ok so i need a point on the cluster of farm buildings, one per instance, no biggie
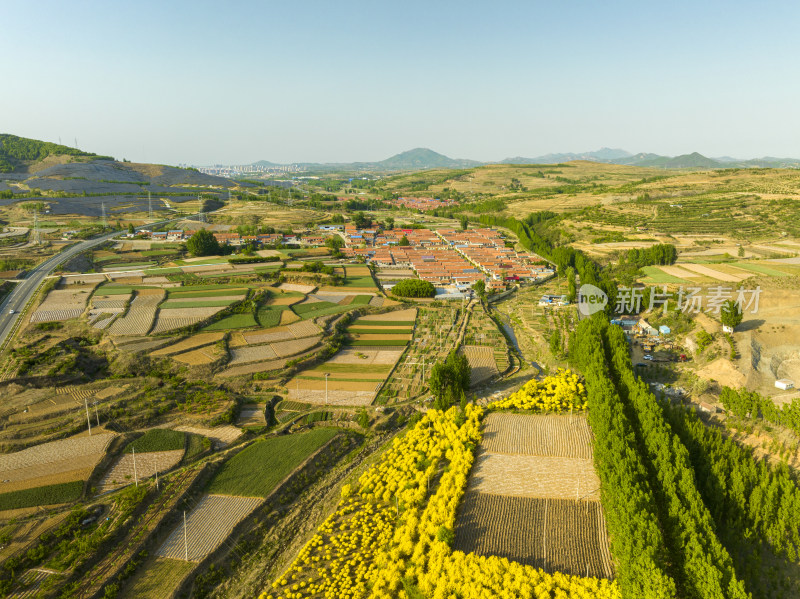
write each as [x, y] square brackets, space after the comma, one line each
[443, 257]
[451, 257]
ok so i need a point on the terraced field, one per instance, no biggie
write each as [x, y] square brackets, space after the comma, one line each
[123, 473]
[62, 304]
[170, 319]
[207, 526]
[533, 496]
[481, 360]
[139, 318]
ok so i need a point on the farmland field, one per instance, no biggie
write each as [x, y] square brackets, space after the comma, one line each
[255, 471]
[207, 526]
[533, 496]
[557, 435]
[62, 304]
[158, 439]
[44, 495]
[159, 579]
[234, 321]
[556, 535]
[147, 464]
[138, 320]
[481, 360]
[193, 342]
[171, 318]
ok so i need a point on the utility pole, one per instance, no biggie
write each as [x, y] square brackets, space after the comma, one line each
[103, 212]
[149, 206]
[96, 415]
[135, 475]
[185, 539]
[156, 480]
[88, 419]
[327, 374]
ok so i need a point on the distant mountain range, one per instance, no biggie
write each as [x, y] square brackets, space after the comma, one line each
[424, 158]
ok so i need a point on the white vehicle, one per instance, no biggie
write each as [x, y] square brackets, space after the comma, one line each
[11, 311]
[648, 357]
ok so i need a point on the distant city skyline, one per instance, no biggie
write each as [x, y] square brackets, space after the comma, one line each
[203, 83]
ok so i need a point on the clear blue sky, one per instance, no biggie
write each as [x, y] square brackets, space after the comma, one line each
[211, 82]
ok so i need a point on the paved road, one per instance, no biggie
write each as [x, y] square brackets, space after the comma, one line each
[24, 291]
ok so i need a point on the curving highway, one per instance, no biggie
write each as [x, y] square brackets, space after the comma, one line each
[25, 290]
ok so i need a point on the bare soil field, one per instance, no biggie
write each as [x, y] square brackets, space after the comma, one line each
[481, 360]
[252, 415]
[198, 357]
[223, 435]
[557, 435]
[284, 349]
[409, 315]
[175, 318]
[193, 342]
[62, 304]
[542, 510]
[139, 318]
[535, 476]
[208, 525]
[334, 397]
[552, 534]
[712, 273]
[297, 287]
[257, 353]
[266, 336]
[377, 357]
[147, 464]
[54, 462]
[288, 317]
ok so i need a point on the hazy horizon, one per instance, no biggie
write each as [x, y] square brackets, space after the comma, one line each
[203, 83]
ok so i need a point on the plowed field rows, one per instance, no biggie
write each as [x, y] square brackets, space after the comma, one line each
[533, 496]
[481, 360]
[399, 315]
[334, 398]
[258, 353]
[362, 356]
[268, 336]
[223, 434]
[197, 357]
[208, 525]
[147, 464]
[139, 318]
[252, 415]
[556, 435]
[302, 329]
[170, 319]
[55, 315]
[552, 534]
[284, 349]
[193, 342]
[55, 451]
[535, 476]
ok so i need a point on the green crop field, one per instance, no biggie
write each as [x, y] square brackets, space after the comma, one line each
[153, 253]
[114, 289]
[183, 292]
[764, 270]
[335, 309]
[49, 495]
[359, 282]
[316, 417]
[301, 309]
[234, 321]
[211, 303]
[159, 578]
[157, 439]
[255, 471]
[656, 275]
[270, 316]
[361, 300]
[204, 261]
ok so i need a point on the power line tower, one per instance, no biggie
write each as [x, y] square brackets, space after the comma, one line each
[200, 215]
[149, 206]
[103, 212]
